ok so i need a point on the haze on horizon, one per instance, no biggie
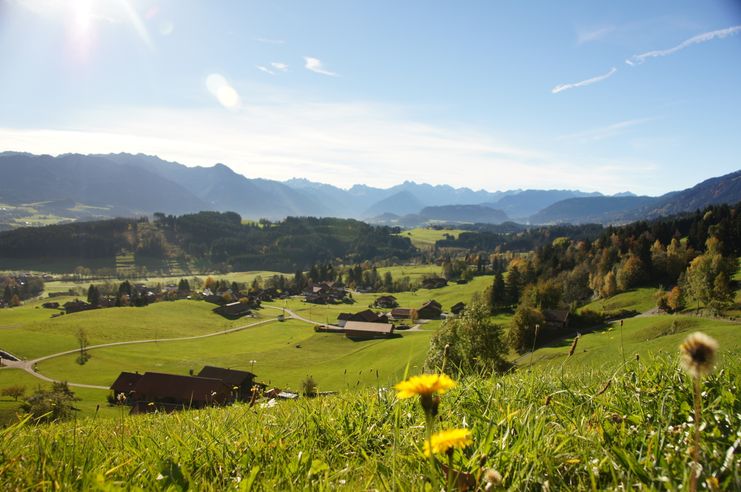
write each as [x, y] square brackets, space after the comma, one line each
[493, 95]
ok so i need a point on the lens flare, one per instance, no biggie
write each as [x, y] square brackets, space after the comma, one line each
[223, 91]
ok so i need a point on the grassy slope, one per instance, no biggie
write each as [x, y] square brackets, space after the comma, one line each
[640, 300]
[645, 336]
[425, 237]
[631, 436]
[326, 356]
[29, 332]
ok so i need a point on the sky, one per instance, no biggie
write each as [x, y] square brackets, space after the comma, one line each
[490, 94]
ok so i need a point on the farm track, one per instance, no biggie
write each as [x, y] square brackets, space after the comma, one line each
[30, 365]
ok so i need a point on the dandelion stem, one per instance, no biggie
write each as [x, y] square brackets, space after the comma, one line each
[694, 472]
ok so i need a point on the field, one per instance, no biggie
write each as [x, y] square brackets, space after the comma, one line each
[641, 300]
[646, 336]
[539, 432]
[425, 237]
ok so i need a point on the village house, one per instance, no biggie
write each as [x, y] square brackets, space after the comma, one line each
[556, 320]
[403, 313]
[458, 308]
[243, 381]
[386, 302]
[124, 384]
[358, 330]
[234, 310]
[169, 392]
[434, 283]
[430, 310]
[366, 316]
[326, 293]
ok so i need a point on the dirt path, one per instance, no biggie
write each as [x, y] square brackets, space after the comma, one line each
[29, 365]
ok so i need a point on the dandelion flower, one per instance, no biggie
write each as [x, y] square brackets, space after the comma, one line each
[424, 385]
[698, 354]
[493, 478]
[446, 440]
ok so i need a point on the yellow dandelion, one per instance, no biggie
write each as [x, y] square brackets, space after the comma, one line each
[424, 385]
[446, 440]
[698, 354]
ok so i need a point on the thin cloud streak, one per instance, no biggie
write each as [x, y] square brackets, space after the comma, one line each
[700, 38]
[593, 35]
[281, 67]
[315, 65]
[264, 69]
[604, 132]
[584, 83]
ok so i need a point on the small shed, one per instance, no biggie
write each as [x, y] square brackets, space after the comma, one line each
[359, 330]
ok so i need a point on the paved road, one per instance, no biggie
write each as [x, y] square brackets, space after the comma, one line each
[29, 365]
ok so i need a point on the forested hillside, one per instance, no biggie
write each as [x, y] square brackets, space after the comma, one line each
[220, 239]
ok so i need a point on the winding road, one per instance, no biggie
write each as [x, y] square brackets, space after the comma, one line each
[30, 365]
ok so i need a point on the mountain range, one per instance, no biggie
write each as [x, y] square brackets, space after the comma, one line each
[84, 186]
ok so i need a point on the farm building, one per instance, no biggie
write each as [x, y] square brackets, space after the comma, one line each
[458, 308]
[430, 310]
[234, 310]
[358, 330]
[366, 316]
[244, 381]
[403, 313]
[386, 302]
[125, 383]
[556, 319]
[168, 392]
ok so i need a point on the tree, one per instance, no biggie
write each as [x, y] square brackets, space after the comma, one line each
[16, 391]
[522, 329]
[609, 285]
[52, 404]
[93, 295]
[7, 294]
[15, 301]
[497, 293]
[675, 299]
[183, 286]
[632, 272]
[703, 284]
[513, 285]
[474, 343]
[83, 342]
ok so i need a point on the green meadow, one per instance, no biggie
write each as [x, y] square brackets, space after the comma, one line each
[643, 336]
[641, 300]
[426, 237]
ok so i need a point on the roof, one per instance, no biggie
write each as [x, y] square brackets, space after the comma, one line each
[401, 311]
[181, 388]
[369, 327]
[230, 377]
[556, 315]
[386, 298]
[125, 382]
[432, 303]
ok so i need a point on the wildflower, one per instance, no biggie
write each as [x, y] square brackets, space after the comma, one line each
[447, 440]
[424, 385]
[698, 354]
[121, 397]
[493, 478]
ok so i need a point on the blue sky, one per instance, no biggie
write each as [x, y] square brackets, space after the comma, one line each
[600, 96]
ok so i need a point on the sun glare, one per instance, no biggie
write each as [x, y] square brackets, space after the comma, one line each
[223, 91]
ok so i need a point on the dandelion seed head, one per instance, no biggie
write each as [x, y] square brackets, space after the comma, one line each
[698, 354]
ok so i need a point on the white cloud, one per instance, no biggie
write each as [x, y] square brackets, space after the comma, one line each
[264, 69]
[593, 34]
[338, 143]
[281, 67]
[700, 38]
[604, 132]
[584, 83]
[315, 65]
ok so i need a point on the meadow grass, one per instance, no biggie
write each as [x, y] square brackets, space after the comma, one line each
[641, 300]
[284, 354]
[645, 336]
[426, 237]
[28, 332]
[540, 431]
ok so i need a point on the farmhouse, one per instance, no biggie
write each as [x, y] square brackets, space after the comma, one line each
[358, 330]
[430, 310]
[125, 383]
[556, 319]
[234, 310]
[168, 392]
[366, 316]
[76, 306]
[403, 313]
[386, 302]
[458, 308]
[244, 381]
[326, 293]
[434, 283]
